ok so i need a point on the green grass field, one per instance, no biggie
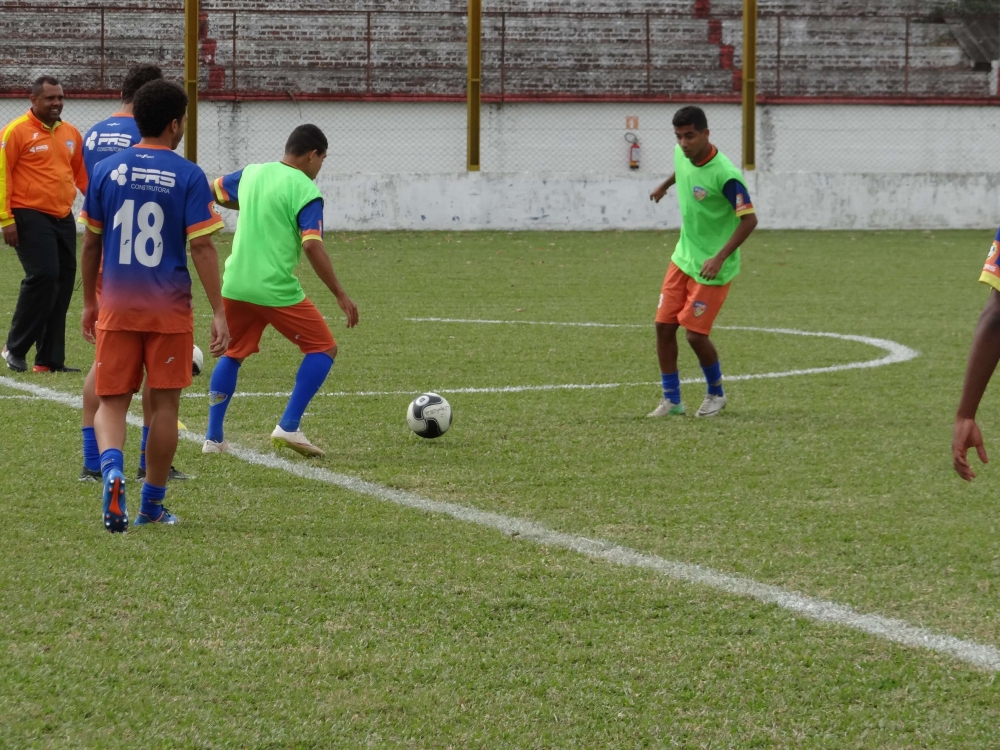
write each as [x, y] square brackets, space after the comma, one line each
[285, 612]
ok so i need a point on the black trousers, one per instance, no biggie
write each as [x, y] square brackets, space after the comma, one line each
[47, 251]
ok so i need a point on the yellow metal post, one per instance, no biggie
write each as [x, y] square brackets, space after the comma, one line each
[191, 78]
[749, 84]
[473, 83]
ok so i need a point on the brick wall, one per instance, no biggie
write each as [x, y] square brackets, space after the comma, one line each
[386, 47]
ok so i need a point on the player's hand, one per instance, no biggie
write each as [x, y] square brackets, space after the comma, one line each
[966, 435]
[220, 335]
[349, 308]
[89, 323]
[657, 195]
[10, 235]
[710, 269]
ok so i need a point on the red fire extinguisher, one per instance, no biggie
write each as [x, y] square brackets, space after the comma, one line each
[633, 150]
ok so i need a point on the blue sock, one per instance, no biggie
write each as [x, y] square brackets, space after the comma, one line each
[152, 500]
[312, 373]
[220, 393]
[112, 458]
[142, 447]
[671, 386]
[91, 453]
[713, 376]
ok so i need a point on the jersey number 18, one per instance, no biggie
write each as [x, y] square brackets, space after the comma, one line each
[150, 222]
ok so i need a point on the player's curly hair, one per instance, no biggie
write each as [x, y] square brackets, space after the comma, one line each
[137, 77]
[156, 105]
[306, 138]
[692, 116]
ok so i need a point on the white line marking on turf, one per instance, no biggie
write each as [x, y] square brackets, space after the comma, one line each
[895, 353]
[897, 631]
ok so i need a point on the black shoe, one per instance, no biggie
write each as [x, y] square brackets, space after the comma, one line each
[61, 368]
[17, 364]
[180, 476]
[86, 475]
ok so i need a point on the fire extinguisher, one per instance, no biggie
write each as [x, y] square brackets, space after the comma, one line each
[633, 150]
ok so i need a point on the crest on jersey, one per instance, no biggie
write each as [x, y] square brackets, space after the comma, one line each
[71, 145]
[699, 308]
[120, 174]
[700, 193]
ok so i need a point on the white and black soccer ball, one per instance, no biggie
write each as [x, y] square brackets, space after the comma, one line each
[197, 361]
[429, 415]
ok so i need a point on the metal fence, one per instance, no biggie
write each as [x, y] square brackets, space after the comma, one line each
[560, 90]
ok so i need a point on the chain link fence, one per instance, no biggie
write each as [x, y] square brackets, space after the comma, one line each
[561, 90]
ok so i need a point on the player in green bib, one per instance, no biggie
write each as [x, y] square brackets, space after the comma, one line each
[281, 215]
[716, 218]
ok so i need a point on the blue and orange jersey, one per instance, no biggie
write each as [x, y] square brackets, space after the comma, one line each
[147, 202]
[991, 271]
[739, 197]
[108, 137]
[310, 218]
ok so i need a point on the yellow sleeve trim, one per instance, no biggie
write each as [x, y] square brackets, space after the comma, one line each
[316, 236]
[207, 230]
[6, 222]
[746, 211]
[988, 278]
[220, 194]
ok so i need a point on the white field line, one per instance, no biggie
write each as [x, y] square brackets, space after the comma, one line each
[889, 629]
[894, 354]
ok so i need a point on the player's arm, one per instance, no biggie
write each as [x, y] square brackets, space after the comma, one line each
[90, 266]
[10, 146]
[657, 195]
[80, 176]
[206, 263]
[226, 190]
[739, 199]
[983, 359]
[320, 261]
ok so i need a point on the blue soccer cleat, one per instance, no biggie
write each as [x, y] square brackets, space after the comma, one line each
[166, 517]
[115, 512]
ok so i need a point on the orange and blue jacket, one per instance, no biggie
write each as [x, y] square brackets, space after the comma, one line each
[40, 167]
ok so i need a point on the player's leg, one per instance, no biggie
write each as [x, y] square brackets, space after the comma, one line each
[698, 316]
[50, 353]
[303, 324]
[118, 363]
[672, 299]
[38, 252]
[147, 416]
[91, 471]
[246, 325]
[168, 371]
[160, 451]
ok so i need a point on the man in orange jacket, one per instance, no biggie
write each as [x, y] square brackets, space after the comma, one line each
[41, 167]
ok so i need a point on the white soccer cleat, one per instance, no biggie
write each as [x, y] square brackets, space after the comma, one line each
[296, 441]
[711, 406]
[667, 408]
[211, 446]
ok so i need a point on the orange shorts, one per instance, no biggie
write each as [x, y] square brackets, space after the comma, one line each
[686, 302]
[121, 356]
[302, 324]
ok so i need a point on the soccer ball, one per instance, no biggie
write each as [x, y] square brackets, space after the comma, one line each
[429, 415]
[197, 361]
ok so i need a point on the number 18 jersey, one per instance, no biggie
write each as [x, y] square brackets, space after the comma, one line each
[147, 202]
